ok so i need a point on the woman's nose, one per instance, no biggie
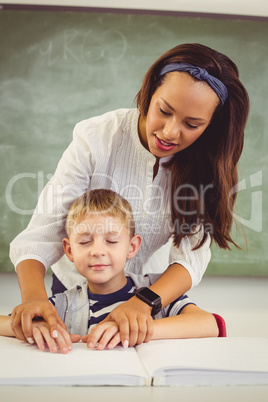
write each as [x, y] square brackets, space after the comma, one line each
[172, 130]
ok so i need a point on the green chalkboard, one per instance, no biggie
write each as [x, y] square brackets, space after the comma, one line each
[60, 67]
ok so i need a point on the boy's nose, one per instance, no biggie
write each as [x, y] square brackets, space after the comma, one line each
[97, 249]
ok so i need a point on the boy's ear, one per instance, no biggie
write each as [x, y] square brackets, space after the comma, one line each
[135, 244]
[67, 249]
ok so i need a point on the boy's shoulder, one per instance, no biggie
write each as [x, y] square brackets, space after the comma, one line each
[70, 294]
[143, 280]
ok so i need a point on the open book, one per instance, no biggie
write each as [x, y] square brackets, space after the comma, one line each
[209, 361]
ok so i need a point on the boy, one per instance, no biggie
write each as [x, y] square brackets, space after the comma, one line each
[101, 236]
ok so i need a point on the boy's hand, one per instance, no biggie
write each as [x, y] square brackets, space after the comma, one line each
[22, 315]
[105, 334]
[134, 321]
[42, 337]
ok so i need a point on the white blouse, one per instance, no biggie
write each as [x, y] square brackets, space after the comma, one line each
[106, 153]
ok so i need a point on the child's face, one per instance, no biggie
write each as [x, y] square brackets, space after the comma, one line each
[179, 112]
[99, 246]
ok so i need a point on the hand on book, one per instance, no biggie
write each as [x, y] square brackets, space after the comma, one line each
[42, 337]
[134, 321]
[22, 316]
[105, 334]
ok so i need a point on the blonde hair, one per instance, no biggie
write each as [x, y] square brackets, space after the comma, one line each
[106, 202]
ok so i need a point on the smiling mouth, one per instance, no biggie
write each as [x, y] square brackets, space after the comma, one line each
[99, 267]
[163, 145]
[167, 144]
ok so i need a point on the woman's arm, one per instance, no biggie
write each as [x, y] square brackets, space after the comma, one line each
[134, 316]
[174, 282]
[45, 231]
[34, 301]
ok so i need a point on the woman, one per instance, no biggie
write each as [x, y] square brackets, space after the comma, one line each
[174, 158]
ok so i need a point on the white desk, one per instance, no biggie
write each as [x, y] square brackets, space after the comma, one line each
[131, 394]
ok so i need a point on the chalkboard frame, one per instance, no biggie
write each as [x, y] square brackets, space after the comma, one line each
[116, 10]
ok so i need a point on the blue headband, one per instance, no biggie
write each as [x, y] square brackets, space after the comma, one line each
[200, 74]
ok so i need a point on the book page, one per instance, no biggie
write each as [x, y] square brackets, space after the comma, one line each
[228, 354]
[22, 363]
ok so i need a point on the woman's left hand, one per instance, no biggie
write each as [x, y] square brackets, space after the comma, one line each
[134, 322]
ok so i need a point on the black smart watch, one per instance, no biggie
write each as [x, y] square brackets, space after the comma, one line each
[151, 298]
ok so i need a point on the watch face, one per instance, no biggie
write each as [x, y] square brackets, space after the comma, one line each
[151, 298]
[149, 294]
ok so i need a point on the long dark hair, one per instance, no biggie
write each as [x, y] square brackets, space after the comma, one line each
[209, 166]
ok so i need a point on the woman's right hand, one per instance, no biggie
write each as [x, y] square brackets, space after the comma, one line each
[22, 316]
[35, 302]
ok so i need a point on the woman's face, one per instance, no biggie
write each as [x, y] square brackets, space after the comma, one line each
[179, 112]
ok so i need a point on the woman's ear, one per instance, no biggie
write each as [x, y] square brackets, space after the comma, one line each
[134, 247]
[67, 249]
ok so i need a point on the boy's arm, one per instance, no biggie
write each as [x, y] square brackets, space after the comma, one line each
[192, 322]
[5, 326]
[41, 335]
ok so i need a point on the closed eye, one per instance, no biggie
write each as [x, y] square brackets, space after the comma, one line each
[164, 112]
[191, 125]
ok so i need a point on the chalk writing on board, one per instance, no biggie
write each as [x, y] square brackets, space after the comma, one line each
[84, 47]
